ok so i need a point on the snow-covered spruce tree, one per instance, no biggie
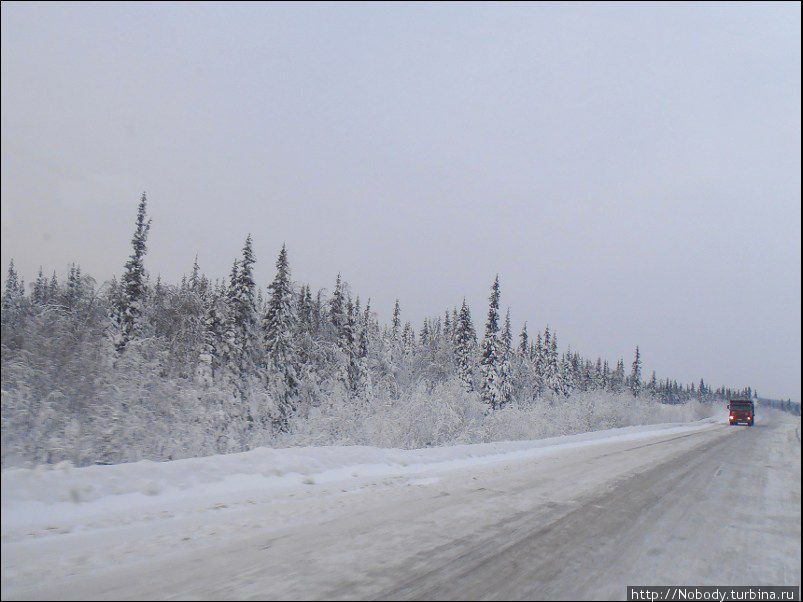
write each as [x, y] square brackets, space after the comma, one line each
[589, 383]
[39, 294]
[213, 353]
[490, 364]
[338, 319]
[597, 378]
[364, 337]
[524, 342]
[318, 312]
[53, 287]
[188, 305]
[423, 336]
[617, 381]
[126, 316]
[448, 330]
[305, 308]
[307, 325]
[197, 282]
[704, 390]
[279, 327]
[349, 343]
[606, 376]
[14, 288]
[507, 333]
[364, 332]
[635, 374]
[358, 379]
[231, 339]
[229, 343]
[505, 368]
[523, 381]
[340, 329]
[465, 343]
[259, 304]
[408, 339]
[395, 325]
[539, 366]
[13, 294]
[242, 332]
[74, 293]
[568, 378]
[652, 386]
[553, 382]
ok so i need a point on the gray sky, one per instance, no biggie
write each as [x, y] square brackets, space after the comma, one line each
[631, 171]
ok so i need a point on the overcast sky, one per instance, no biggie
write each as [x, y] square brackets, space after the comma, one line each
[631, 171]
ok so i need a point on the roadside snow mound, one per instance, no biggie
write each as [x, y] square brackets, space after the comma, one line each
[267, 467]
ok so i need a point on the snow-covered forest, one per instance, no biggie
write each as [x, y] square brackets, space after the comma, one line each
[136, 368]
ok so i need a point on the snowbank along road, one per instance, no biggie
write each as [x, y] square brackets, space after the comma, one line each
[573, 517]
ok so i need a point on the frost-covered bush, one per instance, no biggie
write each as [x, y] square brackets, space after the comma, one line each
[445, 414]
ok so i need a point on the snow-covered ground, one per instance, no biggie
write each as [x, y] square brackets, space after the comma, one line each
[356, 522]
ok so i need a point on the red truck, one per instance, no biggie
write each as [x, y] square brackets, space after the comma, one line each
[741, 410]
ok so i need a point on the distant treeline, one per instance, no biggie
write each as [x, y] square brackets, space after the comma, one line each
[139, 367]
[787, 405]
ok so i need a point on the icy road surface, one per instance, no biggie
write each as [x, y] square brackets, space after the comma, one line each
[573, 517]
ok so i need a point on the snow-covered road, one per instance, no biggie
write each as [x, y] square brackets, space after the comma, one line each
[574, 517]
